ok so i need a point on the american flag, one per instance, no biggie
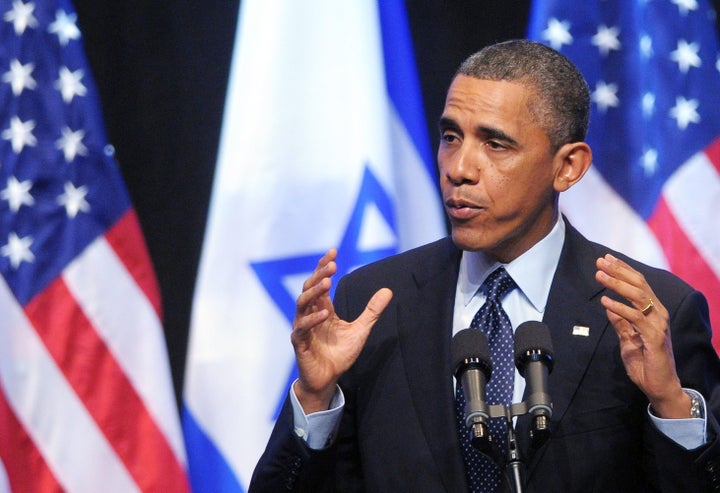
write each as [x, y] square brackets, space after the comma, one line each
[653, 68]
[86, 400]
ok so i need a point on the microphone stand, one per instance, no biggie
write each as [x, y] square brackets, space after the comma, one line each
[513, 461]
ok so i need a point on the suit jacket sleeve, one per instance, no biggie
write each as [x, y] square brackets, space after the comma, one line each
[288, 464]
[697, 365]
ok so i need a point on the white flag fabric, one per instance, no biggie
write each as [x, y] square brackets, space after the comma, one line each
[323, 145]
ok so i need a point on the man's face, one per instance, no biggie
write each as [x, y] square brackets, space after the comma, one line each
[496, 169]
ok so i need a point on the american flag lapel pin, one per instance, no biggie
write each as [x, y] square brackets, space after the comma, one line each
[581, 330]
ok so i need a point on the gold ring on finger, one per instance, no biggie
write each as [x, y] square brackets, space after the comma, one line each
[648, 308]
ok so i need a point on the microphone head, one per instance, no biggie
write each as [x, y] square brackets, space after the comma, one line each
[469, 347]
[533, 343]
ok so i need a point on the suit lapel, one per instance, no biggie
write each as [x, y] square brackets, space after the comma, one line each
[573, 301]
[429, 316]
[577, 322]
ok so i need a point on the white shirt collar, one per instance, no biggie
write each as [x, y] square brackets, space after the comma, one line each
[532, 271]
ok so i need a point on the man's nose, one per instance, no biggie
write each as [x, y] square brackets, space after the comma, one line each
[463, 166]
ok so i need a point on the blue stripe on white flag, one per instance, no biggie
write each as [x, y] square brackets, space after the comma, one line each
[210, 471]
[402, 79]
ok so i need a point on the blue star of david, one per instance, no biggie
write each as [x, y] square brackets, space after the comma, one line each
[273, 272]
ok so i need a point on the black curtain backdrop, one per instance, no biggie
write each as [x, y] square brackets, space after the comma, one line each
[161, 68]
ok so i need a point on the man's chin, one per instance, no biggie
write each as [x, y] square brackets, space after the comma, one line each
[471, 241]
[467, 241]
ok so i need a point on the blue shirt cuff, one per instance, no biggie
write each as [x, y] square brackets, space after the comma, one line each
[317, 429]
[690, 433]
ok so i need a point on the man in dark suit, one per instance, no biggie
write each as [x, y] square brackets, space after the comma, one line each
[635, 384]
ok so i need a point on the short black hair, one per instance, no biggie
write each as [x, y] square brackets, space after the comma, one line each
[562, 107]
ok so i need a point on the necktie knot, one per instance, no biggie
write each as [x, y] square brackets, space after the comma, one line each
[497, 285]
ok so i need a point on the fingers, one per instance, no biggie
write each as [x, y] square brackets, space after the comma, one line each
[314, 305]
[318, 284]
[619, 277]
[310, 299]
[624, 318]
[644, 320]
[326, 267]
[616, 275]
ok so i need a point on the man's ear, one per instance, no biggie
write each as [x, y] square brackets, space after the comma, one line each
[573, 160]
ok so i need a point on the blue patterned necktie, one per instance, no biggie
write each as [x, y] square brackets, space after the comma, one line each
[483, 474]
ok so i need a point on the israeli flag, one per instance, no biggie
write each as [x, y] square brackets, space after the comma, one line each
[324, 144]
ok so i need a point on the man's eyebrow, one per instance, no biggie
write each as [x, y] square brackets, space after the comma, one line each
[446, 122]
[488, 132]
[494, 133]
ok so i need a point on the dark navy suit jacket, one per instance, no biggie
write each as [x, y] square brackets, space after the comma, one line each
[398, 432]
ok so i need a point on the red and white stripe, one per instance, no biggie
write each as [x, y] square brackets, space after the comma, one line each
[87, 402]
[687, 225]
